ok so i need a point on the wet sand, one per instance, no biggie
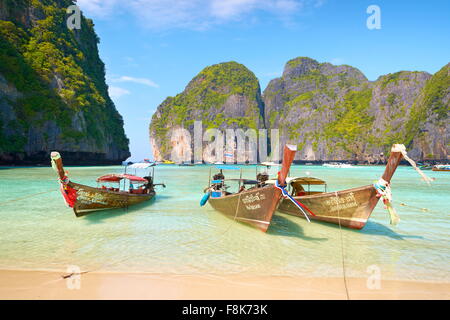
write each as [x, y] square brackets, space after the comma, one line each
[52, 285]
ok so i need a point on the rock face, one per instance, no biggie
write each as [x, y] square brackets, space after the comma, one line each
[330, 112]
[335, 113]
[53, 94]
[429, 124]
[312, 105]
[225, 95]
[393, 96]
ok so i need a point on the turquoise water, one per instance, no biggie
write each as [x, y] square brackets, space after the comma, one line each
[173, 234]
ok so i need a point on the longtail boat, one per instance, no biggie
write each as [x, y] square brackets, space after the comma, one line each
[254, 206]
[85, 199]
[441, 167]
[425, 166]
[349, 208]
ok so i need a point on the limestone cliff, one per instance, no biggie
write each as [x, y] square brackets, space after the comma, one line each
[53, 94]
[225, 95]
[309, 104]
[331, 112]
[429, 123]
[335, 113]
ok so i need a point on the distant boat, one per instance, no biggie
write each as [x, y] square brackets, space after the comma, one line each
[426, 167]
[186, 164]
[441, 167]
[338, 165]
[85, 199]
[167, 162]
[350, 208]
[254, 206]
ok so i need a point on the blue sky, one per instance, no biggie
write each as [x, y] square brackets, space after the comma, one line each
[153, 48]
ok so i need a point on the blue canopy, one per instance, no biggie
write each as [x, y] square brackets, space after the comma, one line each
[225, 167]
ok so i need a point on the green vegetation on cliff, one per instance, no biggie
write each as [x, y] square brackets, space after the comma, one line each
[352, 122]
[329, 111]
[204, 100]
[58, 73]
[432, 104]
[337, 113]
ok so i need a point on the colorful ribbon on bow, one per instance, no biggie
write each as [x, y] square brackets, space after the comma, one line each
[69, 194]
[298, 204]
[384, 191]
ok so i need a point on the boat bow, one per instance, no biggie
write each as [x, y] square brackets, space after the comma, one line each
[383, 186]
[69, 194]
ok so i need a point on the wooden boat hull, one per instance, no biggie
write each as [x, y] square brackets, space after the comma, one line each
[351, 208]
[253, 207]
[91, 199]
[256, 206]
[437, 169]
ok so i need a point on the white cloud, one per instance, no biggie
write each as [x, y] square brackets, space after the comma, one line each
[337, 61]
[171, 14]
[97, 8]
[319, 3]
[143, 81]
[232, 8]
[116, 92]
[193, 14]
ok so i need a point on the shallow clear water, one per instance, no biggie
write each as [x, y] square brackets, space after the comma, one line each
[173, 234]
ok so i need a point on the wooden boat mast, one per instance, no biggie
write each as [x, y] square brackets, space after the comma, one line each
[393, 162]
[288, 158]
[57, 164]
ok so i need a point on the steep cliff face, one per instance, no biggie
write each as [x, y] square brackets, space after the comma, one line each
[310, 102]
[330, 112]
[393, 96]
[53, 94]
[335, 113]
[225, 95]
[429, 124]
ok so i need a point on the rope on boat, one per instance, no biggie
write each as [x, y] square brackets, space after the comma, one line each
[28, 196]
[402, 149]
[342, 249]
[232, 223]
[298, 204]
[418, 208]
[383, 187]
[235, 216]
[384, 191]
